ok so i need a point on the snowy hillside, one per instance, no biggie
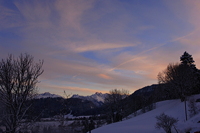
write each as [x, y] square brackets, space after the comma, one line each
[145, 123]
[97, 98]
[47, 95]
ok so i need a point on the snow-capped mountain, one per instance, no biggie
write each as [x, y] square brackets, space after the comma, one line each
[97, 98]
[47, 95]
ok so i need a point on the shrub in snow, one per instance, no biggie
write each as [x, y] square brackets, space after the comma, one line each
[192, 107]
[151, 107]
[165, 122]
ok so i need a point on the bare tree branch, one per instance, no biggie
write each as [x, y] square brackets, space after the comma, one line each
[18, 79]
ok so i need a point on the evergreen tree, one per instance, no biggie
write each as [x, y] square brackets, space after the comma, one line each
[187, 59]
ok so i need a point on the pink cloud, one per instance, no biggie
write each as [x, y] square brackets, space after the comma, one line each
[69, 89]
[97, 46]
[193, 12]
[188, 12]
[146, 65]
[71, 12]
[104, 76]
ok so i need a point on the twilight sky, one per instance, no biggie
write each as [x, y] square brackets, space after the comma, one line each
[93, 46]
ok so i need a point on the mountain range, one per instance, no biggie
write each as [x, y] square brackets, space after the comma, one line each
[97, 98]
[47, 95]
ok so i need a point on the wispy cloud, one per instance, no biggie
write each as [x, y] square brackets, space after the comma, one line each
[104, 76]
[90, 46]
[57, 89]
[99, 46]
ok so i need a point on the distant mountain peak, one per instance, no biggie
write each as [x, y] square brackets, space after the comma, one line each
[47, 95]
[98, 93]
[97, 98]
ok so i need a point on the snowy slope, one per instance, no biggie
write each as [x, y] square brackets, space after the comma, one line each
[47, 95]
[145, 123]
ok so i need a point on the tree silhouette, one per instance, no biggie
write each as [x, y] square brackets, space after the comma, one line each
[181, 78]
[18, 79]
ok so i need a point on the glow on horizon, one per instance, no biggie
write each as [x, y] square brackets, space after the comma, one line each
[93, 46]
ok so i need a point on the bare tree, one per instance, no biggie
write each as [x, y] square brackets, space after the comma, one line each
[166, 122]
[18, 79]
[113, 101]
[116, 95]
[179, 77]
[180, 80]
[63, 110]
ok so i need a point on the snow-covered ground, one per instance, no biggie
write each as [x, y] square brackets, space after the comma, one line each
[145, 123]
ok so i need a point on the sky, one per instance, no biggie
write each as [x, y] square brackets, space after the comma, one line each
[93, 46]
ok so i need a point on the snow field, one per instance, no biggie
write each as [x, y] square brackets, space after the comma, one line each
[145, 123]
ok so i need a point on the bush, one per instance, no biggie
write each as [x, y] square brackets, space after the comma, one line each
[165, 122]
[192, 107]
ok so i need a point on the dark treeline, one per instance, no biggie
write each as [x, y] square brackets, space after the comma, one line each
[49, 107]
